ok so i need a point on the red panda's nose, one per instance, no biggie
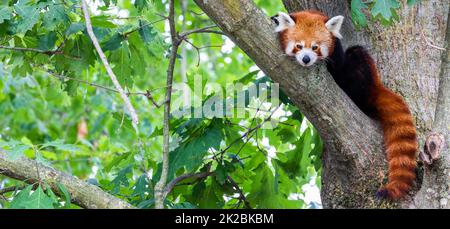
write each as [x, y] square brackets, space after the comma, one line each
[306, 59]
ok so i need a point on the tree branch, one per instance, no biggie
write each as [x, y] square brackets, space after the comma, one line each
[350, 138]
[21, 49]
[110, 72]
[177, 180]
[205, 29]
[11, 189]
[58, 51]
[160, 195]
[82, 193]
[241, 194]
[142, 26]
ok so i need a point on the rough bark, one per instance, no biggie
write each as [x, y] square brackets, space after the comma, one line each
[354, 164]
[410, 66]
[83, 194]
[353, 142]
[435, 190]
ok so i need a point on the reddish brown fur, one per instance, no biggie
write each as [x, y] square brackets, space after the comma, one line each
[399, 136]
[309, 27]
[400, 141]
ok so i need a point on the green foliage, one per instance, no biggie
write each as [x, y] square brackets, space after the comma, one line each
[58, 108]
[5, 14]
[384, 11]
[358, 16]
[40, 196]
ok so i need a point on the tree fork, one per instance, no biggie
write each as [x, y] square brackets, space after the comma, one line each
[353, 162]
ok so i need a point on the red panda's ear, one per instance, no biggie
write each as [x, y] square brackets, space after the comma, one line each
[284, 22]
[334, 25]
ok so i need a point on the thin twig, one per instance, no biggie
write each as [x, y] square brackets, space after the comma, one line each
[11, 189]
[21, 49]
[177, 180]
[147, 93]
[206, 29]
[142, 26]
[58, 51]
[240, 192]
[199, 48]
[430, 43]
[110, 72]
[249, 131]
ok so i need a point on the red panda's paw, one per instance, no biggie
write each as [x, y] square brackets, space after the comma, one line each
[391, 192]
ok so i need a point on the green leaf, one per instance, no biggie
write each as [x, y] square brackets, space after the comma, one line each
[26, 141]
[54, 16]
[102, 21]
[146, 32]
[358, 16]
[184, 205]
[123, 119]
[121, 179]
[411, 2]
[385, 8]
[205, 196]
[146, 204]
[249, 77]
[47, 42]
[59, 144]
[75, 28]
[41, 159]
[5, 14]
[221, 174]
[156, 132]
[113, 43]
[141, 186]
[29, 16]
[190, 153]
[141, 4]
[122, 64]
[298, 158]
[66, 194]
[39, 200]
[20, 201]
[287, 134]
[263, 193]
[17, 151]
[116, 161]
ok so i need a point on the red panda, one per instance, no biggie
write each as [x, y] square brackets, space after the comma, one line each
[310, 36]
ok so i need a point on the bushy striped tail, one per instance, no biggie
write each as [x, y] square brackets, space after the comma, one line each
[400, 141]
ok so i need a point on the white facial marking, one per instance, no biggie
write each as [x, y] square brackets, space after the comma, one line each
[305, 54]
[324, 50]
[302, 43]
[334, 25]
[290, 48]
[284, 22]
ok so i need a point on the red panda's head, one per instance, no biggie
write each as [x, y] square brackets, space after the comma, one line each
[308, 35]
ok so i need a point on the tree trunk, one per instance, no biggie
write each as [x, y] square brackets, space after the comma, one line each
[354, 164]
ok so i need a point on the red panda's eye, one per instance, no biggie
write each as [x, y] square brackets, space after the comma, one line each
[299, 46]
[315, 47]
